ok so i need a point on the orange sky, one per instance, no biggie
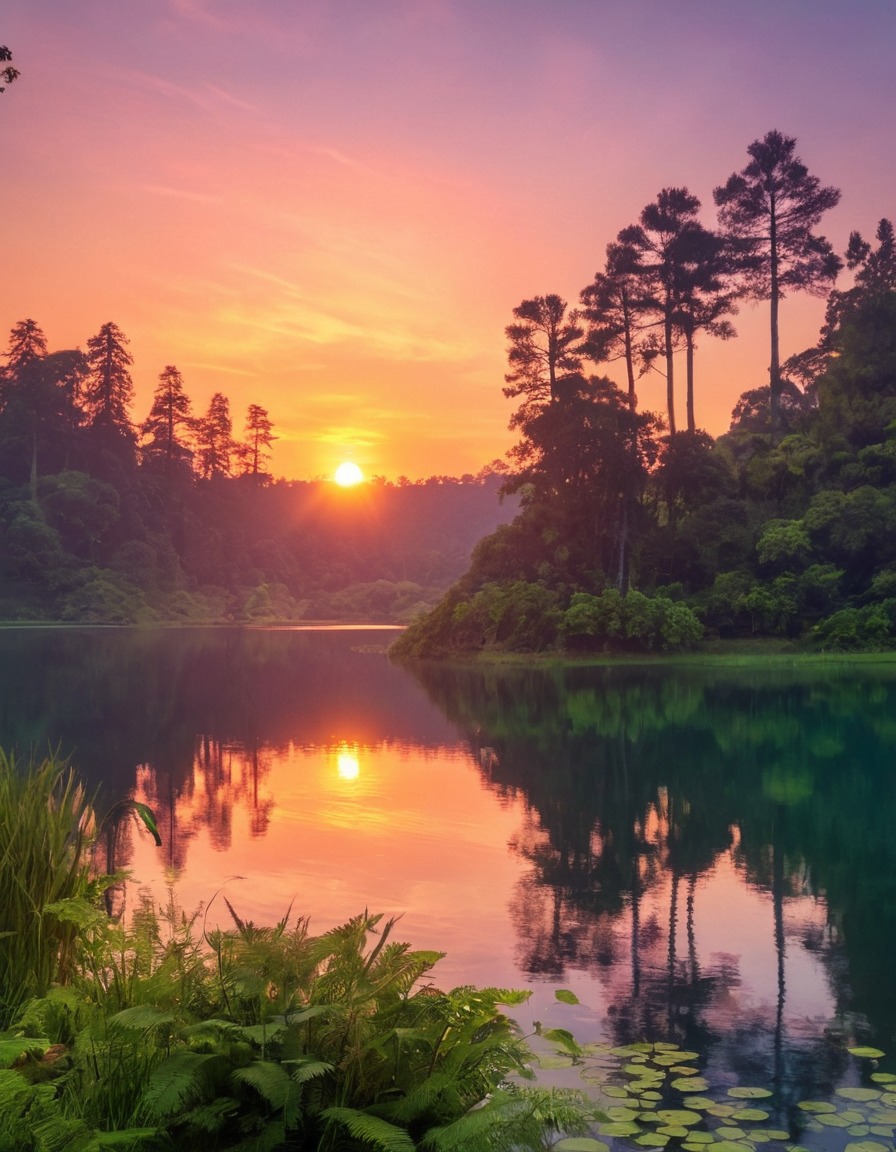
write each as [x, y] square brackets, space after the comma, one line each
[330, 208]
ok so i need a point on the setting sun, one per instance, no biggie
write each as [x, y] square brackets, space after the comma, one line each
[348, 474]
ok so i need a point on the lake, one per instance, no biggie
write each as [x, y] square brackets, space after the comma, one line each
[702, 856]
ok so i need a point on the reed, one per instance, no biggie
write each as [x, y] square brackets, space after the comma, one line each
[46, 832]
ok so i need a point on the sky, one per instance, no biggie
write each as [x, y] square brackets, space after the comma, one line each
[331, 207]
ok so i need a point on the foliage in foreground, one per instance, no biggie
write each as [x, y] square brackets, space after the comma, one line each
[166, 1034]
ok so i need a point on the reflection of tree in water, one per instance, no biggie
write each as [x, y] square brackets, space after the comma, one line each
[639, 785]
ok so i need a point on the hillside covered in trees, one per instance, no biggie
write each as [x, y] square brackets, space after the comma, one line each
[637, 534]
[177, 519]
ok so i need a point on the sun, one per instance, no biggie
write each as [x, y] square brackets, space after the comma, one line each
[348, 474]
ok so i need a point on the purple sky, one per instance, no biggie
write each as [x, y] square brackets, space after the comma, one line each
[331, 209]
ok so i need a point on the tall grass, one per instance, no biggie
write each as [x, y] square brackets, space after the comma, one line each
[46, 827]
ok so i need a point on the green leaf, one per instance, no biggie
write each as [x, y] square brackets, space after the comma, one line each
[141, 1018]
[564, 1038]
[744, 1093]
[270, 1080]
[566, 997]
[124, 1137]
[581, 1144]
[148, 817]
[371, 1129]
[865, 1053]
[13, 1048]
[860, 1093]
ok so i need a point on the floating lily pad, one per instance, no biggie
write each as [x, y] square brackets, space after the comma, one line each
[691, 1146]
[883, 1077]
[679, 1117]
[691, 1084]
[858, 1130]
[635, 1067]
[816, 1106]
[581, 1144]
[593, 1075]
[652, 1140]
[885, 1115]
[674, 1132]
[731, 1132]
[854, 1116]
[864, 1052]
[721, 1110]
[769, 1134]
[619, 1128]
[758, 1137]
[745, 1093]
[621, 1115]
[547, 1061]
[860, 1093]
[698, 1102]
[882, 1130]
[616, 1091]
[700, 1137]
[866, 1146]
[888, 1098]
[684, 1070]
[749, 1114]
[667, 1059]
[832, 1120]
[730, 1146]
[666, 1046]
[648, 1096]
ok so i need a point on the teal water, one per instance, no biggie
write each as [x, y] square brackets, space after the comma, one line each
[705, 858]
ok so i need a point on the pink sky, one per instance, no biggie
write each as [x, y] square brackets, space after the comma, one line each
[331, 207]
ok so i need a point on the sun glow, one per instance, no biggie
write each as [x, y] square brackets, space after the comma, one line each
[348, 474]
[348, 767]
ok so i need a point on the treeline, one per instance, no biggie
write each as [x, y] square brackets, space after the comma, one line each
[636, 534]
[106, 520]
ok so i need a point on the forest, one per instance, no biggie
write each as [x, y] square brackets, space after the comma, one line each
[176, 519]
[636, 534]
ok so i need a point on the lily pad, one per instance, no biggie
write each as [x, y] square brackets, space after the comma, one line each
[616, 1091]
[882, 1130]
[619, 1128]
[679, 1117]
[685, 1070]
[547, 1061]
[730, 1146]
[749, 1114]
[883, 1077]
[673, 1131]
[860, 1093]
[832, 1120]
[854, 1116]
[866, 1146]
[731, 1132]
[858, 1130]
[864, 1052]
[621, 1115]
[698, 1102]
[581, 1144]
[816, 1106]
[721, 1110]
[666, 1046]
[652, 1140]
[700, 1137]
[742, 1092]
[647, 1096]
[691, 1084]
[769, 1134]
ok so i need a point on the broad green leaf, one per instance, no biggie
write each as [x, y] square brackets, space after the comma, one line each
[745, 1093]
[749, 1114]
[13, 1048]
[691, 1084]
[860, 1093]
[566, 997]
[679, 1117]
[816, 1106]
[619, 1128]
[652, 1140]
[864, 1052]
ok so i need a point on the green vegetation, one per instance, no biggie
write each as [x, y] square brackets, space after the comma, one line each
[633, 536]
[164, 1034]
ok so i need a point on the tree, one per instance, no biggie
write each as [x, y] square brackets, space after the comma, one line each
[169, 414]
[543, 349]
[27, 343]
[259, 437]
[665, 243]
[613, 307]
[770, 210]
[7, 73]
[214, 438]
[110, 388]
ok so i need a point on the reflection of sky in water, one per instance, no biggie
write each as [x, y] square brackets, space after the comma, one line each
[408, 830]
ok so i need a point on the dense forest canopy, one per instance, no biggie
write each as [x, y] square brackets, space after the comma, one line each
[177, 518]
[637, 534]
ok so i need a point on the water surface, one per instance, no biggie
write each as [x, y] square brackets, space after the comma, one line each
[702, 857]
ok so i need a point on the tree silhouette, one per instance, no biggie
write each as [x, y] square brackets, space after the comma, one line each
[110, 388]
[214, 438]
[613, 306]
[170, 413]
[543, 349]
[259, 437]
[770, 210]
[664, 242]
[7, 73]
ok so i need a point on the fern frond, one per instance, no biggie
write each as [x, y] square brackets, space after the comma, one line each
[308, 1069]
[176, 1085]
[125, 1138]
[271, 1081]
[499, 1123]
[213, 1116]
[140, 1018]
[371, 1129]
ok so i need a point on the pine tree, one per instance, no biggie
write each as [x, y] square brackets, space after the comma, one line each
[168, 416]
[770, 210]
[259, 437]
[543, 349]
[110, 389]
[214, 438]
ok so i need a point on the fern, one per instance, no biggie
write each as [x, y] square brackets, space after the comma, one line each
[176, 1085]
[271, 1081]
[140, 1018]
[370, 1129]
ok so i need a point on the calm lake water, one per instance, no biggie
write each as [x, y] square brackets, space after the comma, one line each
[702, 857]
